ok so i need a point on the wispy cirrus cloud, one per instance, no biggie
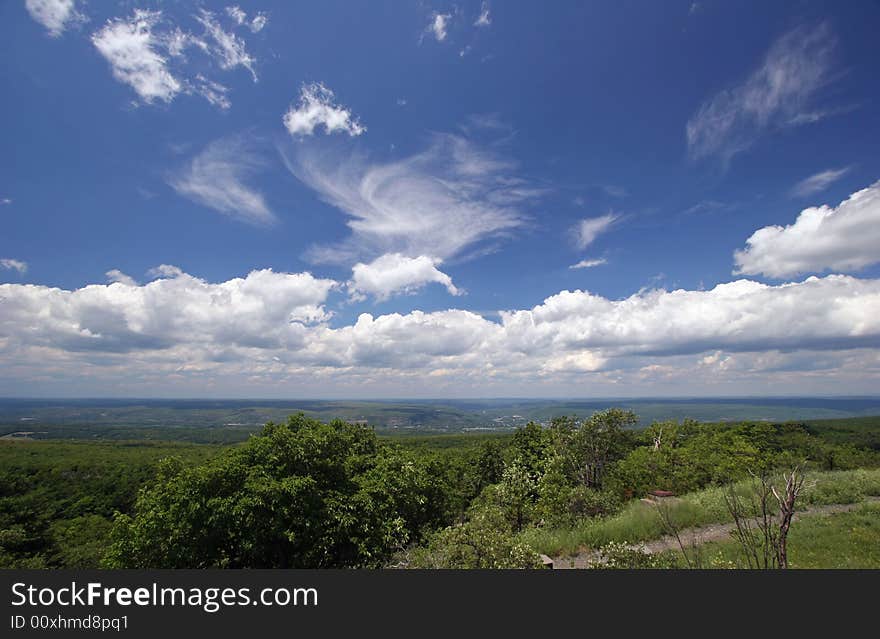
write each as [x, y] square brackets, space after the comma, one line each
[845, 238]
[436, 203]
[317, 107]
[776, 95]
[218, 178]
[227, 49]
[255, 24]
[706, 206]
[14, 265]
[56, 15]
[588, 229]
[484, 19]
[149, 52]
[589, 263]
[818, 182]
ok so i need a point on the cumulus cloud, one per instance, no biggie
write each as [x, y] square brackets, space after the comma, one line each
[845, 238]
[737, 316]
[587, 230]
[274, 326]
[818, 182]
[589, 263]
[134, 53]
[265, 309]
[394, 273]
[317, 107]
[55, 15]
[438, 202]
[14, 265]
[217, 178]
[777, 94]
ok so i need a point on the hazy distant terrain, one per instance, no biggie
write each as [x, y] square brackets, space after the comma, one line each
[232, 420]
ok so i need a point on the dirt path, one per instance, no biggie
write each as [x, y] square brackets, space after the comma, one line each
[695, 536]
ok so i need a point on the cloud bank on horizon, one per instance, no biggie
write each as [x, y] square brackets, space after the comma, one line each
[297, 232]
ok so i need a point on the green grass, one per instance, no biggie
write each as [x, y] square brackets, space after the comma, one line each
[838, 540]
[640, 522]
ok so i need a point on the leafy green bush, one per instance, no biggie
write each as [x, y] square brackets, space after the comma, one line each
[483, 541]
[300, 495]
[617, 555]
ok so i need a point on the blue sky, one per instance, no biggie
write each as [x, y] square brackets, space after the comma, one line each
[375, 199]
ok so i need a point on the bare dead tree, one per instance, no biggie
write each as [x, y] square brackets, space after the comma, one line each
[794, 483]
[658, 439]
[753, 517]
[761, 532]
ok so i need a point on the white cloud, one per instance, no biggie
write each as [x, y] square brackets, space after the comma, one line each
[438, 25]
[258, 22]
[818, 182]
[615, 191]
[484, 19]
[587, 230]
[740, 315]
[706, 207]
[148, 52]
[845, 238]
[55, 15]
[236, 13]
[213, 92]
[165, 270]
[777, 94]
[229, 50]
[589, 263]
[437, 203]
[317, 107]
[14, 265]
[273, 327]
[176, 41]
[217, 178]
[239, 16]
[5, 201]
[133, 51]
[115, 275]
[394, 273]
[263, 310]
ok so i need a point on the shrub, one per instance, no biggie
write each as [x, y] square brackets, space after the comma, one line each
[617, 555]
